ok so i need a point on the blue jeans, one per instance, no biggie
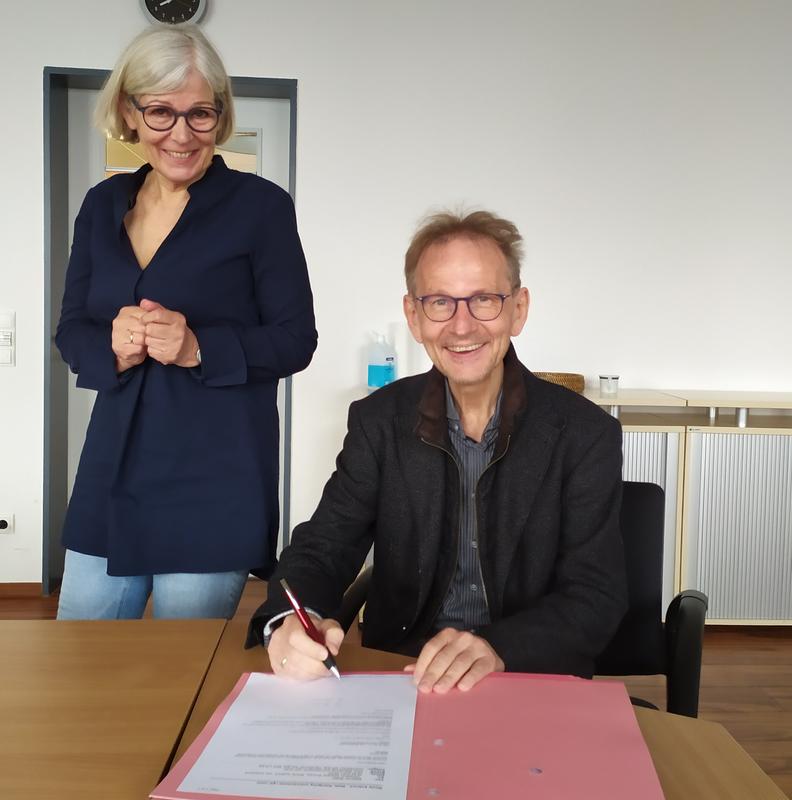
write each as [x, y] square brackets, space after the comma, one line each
[88, 592]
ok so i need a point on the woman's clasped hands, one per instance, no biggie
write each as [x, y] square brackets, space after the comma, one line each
[152, 330]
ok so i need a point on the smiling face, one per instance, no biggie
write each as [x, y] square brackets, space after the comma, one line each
[467, 351]
[179, 156]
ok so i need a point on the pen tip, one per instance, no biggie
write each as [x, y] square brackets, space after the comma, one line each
[335, 672]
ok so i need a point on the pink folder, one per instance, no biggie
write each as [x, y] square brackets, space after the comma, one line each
[531, 736]
[542, 737]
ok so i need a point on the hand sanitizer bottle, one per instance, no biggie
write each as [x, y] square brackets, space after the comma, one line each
[381, 363]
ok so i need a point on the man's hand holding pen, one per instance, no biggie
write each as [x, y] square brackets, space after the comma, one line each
[294, 654]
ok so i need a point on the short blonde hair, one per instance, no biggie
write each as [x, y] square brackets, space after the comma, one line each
[446, 225]
[158, 61]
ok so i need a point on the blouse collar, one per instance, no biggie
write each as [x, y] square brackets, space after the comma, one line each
[205, 187]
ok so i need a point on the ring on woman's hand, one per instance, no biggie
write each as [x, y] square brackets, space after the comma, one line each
[283, 661]
[131, 337]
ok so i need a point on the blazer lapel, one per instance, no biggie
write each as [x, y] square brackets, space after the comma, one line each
[424, 472]
[529, 451]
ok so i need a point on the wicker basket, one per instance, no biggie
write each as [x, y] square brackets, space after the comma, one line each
[569, 380]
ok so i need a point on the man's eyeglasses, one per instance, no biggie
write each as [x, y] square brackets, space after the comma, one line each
[483, 307]
[201, 119]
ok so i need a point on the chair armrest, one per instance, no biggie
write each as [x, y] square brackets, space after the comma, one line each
[684, 627]
[354, 598]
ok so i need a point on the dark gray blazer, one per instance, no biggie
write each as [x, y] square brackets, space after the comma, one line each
[548, 524]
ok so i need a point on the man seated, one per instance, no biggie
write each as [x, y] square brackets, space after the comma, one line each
[491, 497]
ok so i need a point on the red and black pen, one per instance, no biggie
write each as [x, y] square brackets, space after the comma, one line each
[310, 628]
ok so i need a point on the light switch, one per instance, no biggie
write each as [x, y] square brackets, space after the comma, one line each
[7, 337]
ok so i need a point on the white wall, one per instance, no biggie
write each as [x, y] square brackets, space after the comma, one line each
[642, 147]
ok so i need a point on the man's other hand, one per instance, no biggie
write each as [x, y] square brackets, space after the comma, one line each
[454, 658]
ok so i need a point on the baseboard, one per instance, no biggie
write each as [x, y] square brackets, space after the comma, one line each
[20, 590]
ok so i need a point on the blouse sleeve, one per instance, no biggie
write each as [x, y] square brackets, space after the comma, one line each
[285, 339]
[83, 341]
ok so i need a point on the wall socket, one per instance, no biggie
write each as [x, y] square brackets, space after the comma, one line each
[6, 523]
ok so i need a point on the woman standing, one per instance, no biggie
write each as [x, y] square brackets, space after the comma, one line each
[187, 298]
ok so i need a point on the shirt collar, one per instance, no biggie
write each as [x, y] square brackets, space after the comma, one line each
[491, 431]
[126, 194]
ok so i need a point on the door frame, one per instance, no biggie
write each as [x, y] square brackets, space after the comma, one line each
[57, 83]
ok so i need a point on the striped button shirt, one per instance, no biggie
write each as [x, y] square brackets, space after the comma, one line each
[465, 605]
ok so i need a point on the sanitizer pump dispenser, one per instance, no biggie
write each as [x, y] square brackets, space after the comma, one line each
[381, 363]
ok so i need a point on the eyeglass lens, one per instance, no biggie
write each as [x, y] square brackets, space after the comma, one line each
[162, 118]
[483, 307]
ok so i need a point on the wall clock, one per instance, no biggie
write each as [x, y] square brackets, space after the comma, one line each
[173, 12]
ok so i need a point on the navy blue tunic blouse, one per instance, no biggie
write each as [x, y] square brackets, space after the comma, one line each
[179, 472]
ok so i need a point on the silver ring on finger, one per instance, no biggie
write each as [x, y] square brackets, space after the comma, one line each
[283, 661]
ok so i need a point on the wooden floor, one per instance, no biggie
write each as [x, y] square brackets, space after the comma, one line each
[746, 681]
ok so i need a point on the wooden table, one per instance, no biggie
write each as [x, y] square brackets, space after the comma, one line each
[695, 759]
[95, 709]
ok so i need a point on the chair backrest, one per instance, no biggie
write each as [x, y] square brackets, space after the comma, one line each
[639, 645]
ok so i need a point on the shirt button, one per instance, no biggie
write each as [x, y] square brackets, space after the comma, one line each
[473, 587]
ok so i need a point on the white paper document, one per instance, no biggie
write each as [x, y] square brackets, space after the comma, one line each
[322, 740]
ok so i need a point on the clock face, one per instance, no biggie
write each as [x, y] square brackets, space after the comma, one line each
[174, 11]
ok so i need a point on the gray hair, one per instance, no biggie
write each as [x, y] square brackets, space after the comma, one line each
[158, 61]
[443, 226]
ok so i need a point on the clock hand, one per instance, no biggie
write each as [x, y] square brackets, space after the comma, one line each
[165, 2]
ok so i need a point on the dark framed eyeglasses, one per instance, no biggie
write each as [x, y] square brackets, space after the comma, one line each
[201, 119]
[483, 307]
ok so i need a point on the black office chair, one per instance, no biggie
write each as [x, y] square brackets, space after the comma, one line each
[643, 644]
